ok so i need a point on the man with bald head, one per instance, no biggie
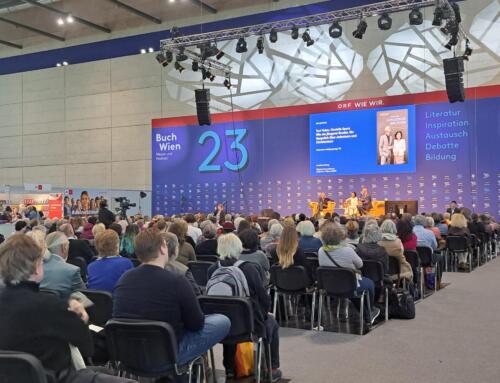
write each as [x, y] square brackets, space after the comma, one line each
[385, 146]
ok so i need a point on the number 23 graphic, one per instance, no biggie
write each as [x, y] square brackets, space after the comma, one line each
[208, 166]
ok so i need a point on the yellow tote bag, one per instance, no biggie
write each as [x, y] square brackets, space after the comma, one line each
[243, 360]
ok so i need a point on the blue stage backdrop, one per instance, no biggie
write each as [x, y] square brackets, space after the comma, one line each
[282, 158]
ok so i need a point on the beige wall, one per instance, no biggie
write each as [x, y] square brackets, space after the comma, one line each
[88, 125]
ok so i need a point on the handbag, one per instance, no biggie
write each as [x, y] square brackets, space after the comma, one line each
[401, 304]
[243, 360]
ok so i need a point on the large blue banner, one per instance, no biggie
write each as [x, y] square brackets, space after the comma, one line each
[432, 153]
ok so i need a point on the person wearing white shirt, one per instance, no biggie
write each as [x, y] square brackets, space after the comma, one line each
[193, 231]
[399, 148]
[352, 205]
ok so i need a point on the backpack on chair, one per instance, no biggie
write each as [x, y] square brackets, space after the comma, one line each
[228, 281]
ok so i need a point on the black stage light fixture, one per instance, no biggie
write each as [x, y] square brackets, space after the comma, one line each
[170, 56]
[360, 29]
[416, 17]
[384, 22]
[453, 42]
[468, 50]
[450, 28]
[211, 76]
[227, 83]
[181, 56]
[160, 57]
[241, 45]
[219, 55]
[260, 45]
[273, 36]
[335, 30]
[195, 66]
[179, 67]
[456, 9]
[295, 32]
[438, 17]
[204, 73]
[306, 36]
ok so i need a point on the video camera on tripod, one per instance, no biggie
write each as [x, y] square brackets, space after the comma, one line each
[125, 205]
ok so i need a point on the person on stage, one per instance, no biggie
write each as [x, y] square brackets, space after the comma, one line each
[385, 146]
[323, 201]
[352, 205]
[399, 148]
[366, 201]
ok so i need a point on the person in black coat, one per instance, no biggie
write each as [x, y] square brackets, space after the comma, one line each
[209, 245]
[370, 250]
[77, 247]
[229, 249]
[104, 215]
[36, 323]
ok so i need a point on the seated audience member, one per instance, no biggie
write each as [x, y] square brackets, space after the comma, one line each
[352, 228]
[186, 250]
[429, 225]
[425, 237]
[117, 228]
[393, 246]
[266, 237]
[127, 248]
[77, 247]
[369, 249]
[440, 223]
[104, 273]
[87, 231]
[98, 228]
[209, 245]
[227, 227]
[20, 227]
[193, 231]
[150, 292]
[476, 226]
[251, 252]
[174, 266]
[40, 324]
[230, 247]
[275, 234]
[406, 235]
[335, 254]
[59, 276]
[244, 225]
[486, 219]
[458, 228]
[307, 242]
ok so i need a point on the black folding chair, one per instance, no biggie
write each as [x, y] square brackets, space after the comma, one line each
[342, 284]
[313, 264]
[19, 367]
[425, 257]
[146, 349]
[295, 282]
[49, 292]
[199, 269]
[311, 254]
[475, 247]
[457, 245]
[240, 312]
[375, 271]
[102, 309]
[395, 271]
[414, 261]
[82, 264]
[207, 258]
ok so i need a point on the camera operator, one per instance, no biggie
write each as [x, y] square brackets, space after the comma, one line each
[105, 216]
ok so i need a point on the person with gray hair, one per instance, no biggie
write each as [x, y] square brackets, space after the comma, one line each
[58, 275]
[369, 249]
[425, 237]
[266, 237]
[229, 248]
[208, 245]
[273, 239]
[307, 241]
[394, 248]
[336, 254]
[174, 266]
[77, 247]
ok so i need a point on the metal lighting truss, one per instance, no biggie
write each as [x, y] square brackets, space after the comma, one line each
[214, 67]
[354, 13]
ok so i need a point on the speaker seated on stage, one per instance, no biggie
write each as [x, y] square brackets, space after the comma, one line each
[351, 205]
[366, 201]
[322, 206]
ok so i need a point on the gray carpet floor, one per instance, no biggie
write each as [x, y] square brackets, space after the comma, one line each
[454, 338]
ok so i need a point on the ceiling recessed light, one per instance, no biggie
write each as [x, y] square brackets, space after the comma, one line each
[69, 19]
[143, 51]
[58, 64]
[151, 50]
[60, 21]
[65, 63]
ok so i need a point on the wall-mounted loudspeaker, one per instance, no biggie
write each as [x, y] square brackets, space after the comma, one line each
[202, 97]
[453, 74]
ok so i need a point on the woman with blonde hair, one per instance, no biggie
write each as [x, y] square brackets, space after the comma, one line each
[458, 228]
[288, 253]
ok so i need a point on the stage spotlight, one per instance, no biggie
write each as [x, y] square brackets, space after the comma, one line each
[360, 29]
[384, 22]
[295, 32]
[273, 36]
[468, 50]
[456, 9]
[438, 17]
[195, 66]
[204, 73]
[162, 59]
[219, 55]
[260, 45]
[70, 19]
[211, 76]
[307, 38]
[416, 17]
[453, 42]
[335, 30]
[179, 67]
[169, 56]
[227, 83]
[241, 45]
[181, 57]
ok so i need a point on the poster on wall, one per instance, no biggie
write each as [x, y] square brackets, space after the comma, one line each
[55, 206]
[400, 148]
